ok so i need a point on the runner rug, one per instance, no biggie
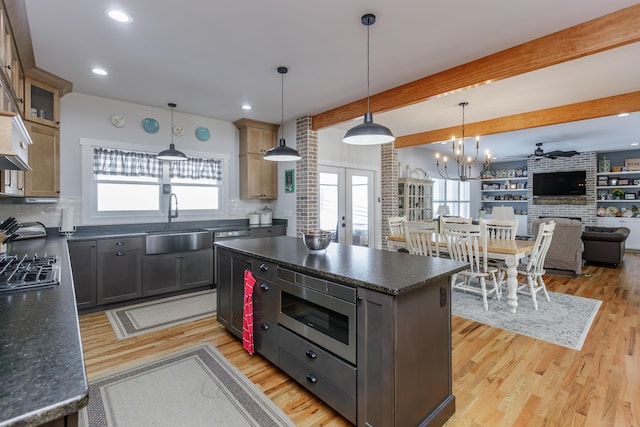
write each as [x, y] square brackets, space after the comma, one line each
[565, 320]
[195, 387]
[154, 315]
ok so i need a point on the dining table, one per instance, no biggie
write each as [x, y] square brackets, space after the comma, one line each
[507, 250]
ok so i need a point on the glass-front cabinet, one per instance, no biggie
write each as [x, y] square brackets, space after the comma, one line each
[415, 199]
[42, 103]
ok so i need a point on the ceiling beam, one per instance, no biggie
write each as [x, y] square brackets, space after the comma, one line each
[606, 32]
[602, 107]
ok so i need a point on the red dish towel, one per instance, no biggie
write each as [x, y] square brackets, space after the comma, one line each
[247, 312]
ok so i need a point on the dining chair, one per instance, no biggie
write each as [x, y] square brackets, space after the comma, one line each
[500, 228]
[395, 239]
[468, 243]
[534, 269]
[396, 225]
[444, 220]
[420, 237]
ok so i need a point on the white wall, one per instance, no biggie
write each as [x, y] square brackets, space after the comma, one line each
[89, 117]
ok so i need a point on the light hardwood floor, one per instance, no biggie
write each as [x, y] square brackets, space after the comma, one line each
[499, 378]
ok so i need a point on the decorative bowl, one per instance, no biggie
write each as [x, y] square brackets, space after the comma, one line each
[316, 241]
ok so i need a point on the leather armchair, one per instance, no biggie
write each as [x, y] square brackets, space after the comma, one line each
[604, 244]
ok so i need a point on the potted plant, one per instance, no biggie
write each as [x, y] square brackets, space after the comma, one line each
[618, 194]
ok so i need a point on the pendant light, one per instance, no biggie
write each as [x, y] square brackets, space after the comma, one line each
[282, 153]
[171, 154]
[368, 133]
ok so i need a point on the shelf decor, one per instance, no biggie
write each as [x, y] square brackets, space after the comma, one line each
[632, 164]
[629, 196]
[604, 165]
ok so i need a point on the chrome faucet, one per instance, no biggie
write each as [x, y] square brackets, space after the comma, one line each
[172, 215]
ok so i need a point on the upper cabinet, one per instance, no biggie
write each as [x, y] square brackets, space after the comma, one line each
[258, 177]
[42, 103]
[33, 95]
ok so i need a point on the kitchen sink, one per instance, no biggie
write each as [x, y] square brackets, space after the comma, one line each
[163, 242]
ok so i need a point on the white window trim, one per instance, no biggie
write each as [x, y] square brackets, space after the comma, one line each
[89, 208]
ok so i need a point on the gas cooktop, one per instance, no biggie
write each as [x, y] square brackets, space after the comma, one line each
[28, 272]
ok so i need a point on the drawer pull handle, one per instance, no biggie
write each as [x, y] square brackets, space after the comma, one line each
[264, 287]
[263, 267]
[120, 253]
[265, 326]
[248, 262]
[312, 378]
[120, 243]
[311, 354]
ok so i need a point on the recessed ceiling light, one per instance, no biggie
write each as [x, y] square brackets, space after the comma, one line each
[118, 15]
[623, 114]
[635, 143]
[99, 71]
[246, 107]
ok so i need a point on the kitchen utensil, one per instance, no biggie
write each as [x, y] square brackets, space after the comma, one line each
[6, 223]
[266, 216]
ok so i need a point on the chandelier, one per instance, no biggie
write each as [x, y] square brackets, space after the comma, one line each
[462, 161]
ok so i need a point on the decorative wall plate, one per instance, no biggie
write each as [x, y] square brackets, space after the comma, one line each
[150, 125]
[178, 130]
[118, 121]
[418, 173]
[202, 133]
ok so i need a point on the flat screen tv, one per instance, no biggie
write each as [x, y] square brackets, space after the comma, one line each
[571, 183]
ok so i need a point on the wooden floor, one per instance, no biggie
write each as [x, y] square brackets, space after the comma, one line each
[499, 378]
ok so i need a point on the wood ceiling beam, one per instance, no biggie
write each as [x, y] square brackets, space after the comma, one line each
[606, 32]
[602, 107]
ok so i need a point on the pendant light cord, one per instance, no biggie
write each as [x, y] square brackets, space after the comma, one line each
[368, 79]
[282, 107]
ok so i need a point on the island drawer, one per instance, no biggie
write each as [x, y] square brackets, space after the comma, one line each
[265, 338]
[315, 380]
[120, 244]
[333, 369]
[265, 299]
[265, 269]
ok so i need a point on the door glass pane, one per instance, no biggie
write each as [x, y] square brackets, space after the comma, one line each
[328, 203]
[360, 209]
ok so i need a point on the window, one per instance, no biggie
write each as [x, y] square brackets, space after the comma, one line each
[455, 194]
[132, 183]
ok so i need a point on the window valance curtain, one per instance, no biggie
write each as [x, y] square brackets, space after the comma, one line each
[197, 168]
[108, 161]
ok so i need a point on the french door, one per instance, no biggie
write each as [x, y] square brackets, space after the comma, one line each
[346, 204]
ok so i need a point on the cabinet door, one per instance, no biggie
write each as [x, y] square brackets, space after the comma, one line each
[260, 140]
[44, 159]
[119, 275]
[12, 182]
[224, 277]
[160, 274]
[84, 268]
[196, 268]
[258, 178]
[42, 102]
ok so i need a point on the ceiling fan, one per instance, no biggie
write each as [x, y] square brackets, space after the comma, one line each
[539, 153]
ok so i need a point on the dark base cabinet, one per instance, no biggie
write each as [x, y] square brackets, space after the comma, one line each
[404, 357]
[84, 267]
[403, 371]
[175, 271]
[119, 269]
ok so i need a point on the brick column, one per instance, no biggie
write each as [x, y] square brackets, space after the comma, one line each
[389, 177]
[306, 176]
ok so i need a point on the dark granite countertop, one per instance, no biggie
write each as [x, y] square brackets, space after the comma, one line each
[42, 373]
[97, 232]
[383, 271]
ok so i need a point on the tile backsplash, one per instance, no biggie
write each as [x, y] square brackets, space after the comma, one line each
[48, 213]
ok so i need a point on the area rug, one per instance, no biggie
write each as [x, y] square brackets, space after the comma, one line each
[154, 315]
[565, 320]
[195, 387]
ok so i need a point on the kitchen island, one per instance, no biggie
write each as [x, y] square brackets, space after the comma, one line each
[376, 340]
[42, 375]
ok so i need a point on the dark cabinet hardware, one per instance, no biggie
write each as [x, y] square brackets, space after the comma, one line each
[312, 378]
[264, 287]
[120, 253]
[265, 326]
[263, 267]
[120, 243]
[311, 354]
